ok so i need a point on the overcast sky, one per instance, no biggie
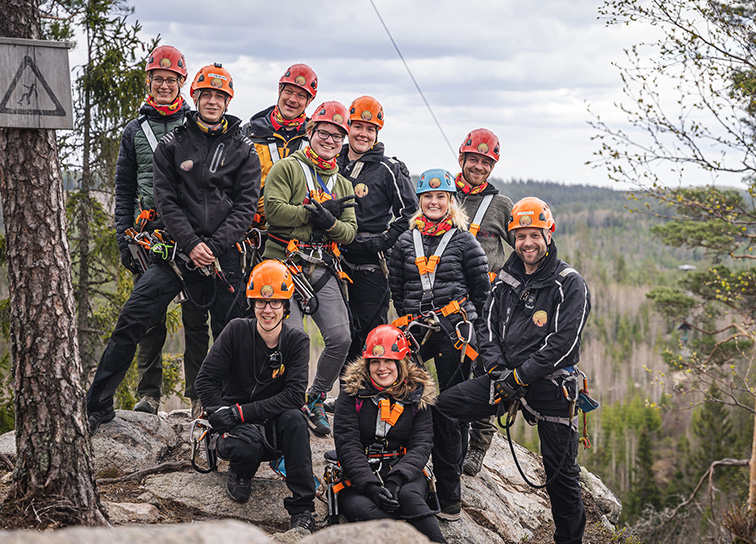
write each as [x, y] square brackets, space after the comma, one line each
[526, 70]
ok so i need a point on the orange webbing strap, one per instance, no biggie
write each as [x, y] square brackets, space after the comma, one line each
[470, 352]
[474, 229]
[403, 321]
[452, 308]
[385, 406]
[388, 413]
[492, 276]
[341, 485]
[144, 217]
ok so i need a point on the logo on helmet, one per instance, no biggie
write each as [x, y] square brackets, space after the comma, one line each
[482, 148]
[366, 115]
[540, 318]
[360, 190]
[217, 83]
[525, 220]
[300, 80]
[337, 118]
[165, 63]
[266, 291]
[435, 183]
[378, 350]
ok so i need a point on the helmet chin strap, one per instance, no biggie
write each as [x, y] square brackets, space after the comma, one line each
[273, 327]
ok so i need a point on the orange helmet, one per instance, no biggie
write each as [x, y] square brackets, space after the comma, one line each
[483, 142]
[531, 212]
[214, 77]
[367, 109]
[302, 76]
[270, 280]
[332, 112]
[167, 57]
[386, 342]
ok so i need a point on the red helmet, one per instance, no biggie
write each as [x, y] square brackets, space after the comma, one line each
[386, 342]
[302, 76]
[332, 112]
[167, 57]
[531, 212]
[483, 142]
[368, 110]
[214, 77]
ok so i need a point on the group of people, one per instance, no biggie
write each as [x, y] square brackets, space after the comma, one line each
[346, 232]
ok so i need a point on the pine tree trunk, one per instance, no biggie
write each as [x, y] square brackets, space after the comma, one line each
[752, 480]
[53, 472]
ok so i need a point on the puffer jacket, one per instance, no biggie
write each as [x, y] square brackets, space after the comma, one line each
[206, 186]
[133, 177]
[381, 191]
[534, 323]
[461, 272]
[355, 419]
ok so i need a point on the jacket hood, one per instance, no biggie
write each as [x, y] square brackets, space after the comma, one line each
[357, 383]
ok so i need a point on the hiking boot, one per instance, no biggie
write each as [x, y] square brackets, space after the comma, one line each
[330, 405]
[148, 405]
[303, 521]
[473, 461]
[196, 409]
[450, 512]
[238, 488]
[316, 414]
[95, 419]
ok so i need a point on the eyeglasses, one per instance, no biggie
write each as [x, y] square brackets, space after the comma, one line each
[324, 135]
[171, 81]
[274, 304]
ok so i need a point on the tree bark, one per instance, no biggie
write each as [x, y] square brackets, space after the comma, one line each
[54, 476]
[752, 479]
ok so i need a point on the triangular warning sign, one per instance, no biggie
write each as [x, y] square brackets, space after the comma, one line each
[27, 101]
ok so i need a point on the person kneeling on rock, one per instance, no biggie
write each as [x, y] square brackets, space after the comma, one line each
[384, 434]
[253, 384]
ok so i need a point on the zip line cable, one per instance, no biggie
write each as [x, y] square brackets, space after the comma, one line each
[417, 86]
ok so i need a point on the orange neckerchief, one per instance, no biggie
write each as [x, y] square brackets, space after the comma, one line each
[427, 228]
[466, 188]
[279, 120]
[317, 161]
[166, 109]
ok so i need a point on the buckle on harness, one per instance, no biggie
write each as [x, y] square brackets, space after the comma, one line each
[451, 308]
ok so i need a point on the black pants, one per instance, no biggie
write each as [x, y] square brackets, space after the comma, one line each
[369, 302]
[467, 402]
[412, 507]
[288, 434]
[150, 356]
[149, 300]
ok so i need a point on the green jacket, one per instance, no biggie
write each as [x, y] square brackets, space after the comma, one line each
[285, 192]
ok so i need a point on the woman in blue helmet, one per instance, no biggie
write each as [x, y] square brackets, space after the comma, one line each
[439, 268]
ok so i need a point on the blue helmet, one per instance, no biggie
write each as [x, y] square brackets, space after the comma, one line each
[436, 179]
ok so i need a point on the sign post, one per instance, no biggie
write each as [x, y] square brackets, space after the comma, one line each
[35, 84]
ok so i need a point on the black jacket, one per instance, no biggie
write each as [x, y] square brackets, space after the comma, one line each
[206, 187]
[354, 429]
[534, 323]
[238, 370]
[381, 190]
[461, 272]
[133, 174]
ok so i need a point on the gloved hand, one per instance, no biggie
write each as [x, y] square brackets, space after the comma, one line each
[402, 167]
[320, 217]
[224, 418]
[128, 261]
[337, 207]
[382, 497]
[393, 486]
[508, 388]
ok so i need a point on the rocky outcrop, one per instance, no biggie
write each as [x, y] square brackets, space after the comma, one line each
[497, 504]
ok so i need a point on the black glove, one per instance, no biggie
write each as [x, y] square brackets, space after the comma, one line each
[320, 217]
[224, 418]
[402, 167]
[129, 262]
[382, 497]
[393, 486]
[337, 207]
[507, 387]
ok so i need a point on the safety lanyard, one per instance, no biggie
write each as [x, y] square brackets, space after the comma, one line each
[427, 267]
[480, 212]
[326, 187]
[147, 129]
[387, 416]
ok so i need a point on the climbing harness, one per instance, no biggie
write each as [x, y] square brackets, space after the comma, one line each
[479, 214]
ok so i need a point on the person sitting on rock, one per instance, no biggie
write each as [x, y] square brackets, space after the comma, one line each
[384, 434]
[253, 384]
